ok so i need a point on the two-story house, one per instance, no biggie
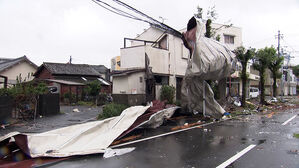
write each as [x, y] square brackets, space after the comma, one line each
[166, 57]
[16, 70]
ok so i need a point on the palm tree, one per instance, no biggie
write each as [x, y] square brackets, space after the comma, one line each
[274, 66]
[261, 62]
[243, 57]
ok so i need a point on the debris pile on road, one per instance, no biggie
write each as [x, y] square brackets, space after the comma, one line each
[87, 138]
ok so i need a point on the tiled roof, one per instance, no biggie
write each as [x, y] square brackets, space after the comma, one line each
[100, 68]
[71, 69]
[8, 63]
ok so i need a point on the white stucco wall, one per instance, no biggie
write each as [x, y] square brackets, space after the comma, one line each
[159, 60]
[133, 57]
[129, 84]
[179, 55]
[120, 85]
[135, 85]
[22, 68]
[233, 31]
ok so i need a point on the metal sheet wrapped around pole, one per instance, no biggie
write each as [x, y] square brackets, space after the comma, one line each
[210, 60]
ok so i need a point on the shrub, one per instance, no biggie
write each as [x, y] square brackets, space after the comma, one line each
[5, 92]
[167, 93]
[85, 103]
[111, 110]
[69, 95]
[93, 89]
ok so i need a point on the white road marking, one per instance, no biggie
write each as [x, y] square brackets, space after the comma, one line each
[237, 156]
[169, 133]
[161, 135]
[289, 120]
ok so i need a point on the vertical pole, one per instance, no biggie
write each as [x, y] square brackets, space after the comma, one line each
[278, 52]
[77, 92]
[70, 91]
[5, 82]
[230, 86]
[204, 99]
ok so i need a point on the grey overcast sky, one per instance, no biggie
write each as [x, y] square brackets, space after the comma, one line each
[52, 30]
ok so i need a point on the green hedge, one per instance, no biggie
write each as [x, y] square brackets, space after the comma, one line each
[111, 110]
[167, 93]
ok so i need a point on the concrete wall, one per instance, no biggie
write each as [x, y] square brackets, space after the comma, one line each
[132, 57]
[233, 31]
[129, 99]
[22, 68]
[120, 85]
[129, 84]
[159, 60]
[137, 83]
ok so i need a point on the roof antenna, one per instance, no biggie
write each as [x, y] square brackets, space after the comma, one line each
[70, 62]
[162, 18]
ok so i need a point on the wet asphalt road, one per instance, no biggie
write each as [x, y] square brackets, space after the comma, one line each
[211, 145]
[66, 118]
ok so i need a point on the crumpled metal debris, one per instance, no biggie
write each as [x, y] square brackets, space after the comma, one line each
[117, 152]
[76, 110]
[210, 60]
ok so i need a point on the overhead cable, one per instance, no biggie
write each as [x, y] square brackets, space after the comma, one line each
[153, 22]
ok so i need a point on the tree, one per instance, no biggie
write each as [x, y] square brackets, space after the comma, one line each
[296, 70]
[243, 57]
[261, 62]
[198, 15]
[211, 15]
[93, 88]
[274, 66]
[167, 93]
[208, 33]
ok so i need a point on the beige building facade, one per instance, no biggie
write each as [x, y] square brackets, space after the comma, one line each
[167, 60]
[21, 69]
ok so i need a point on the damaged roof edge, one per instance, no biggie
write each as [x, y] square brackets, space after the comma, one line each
[127, 71]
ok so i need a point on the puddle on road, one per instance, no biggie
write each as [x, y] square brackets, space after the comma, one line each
[293, 152]
[250, 140]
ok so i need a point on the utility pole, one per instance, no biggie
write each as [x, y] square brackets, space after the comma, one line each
[280, 36]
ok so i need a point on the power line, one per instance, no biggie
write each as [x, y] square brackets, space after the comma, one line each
[289, 45]
[116, 10]
[150, 20]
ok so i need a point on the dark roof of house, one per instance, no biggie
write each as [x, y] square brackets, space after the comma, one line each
[4, 60]
[69, 69]
[6, 63]
[100, 68]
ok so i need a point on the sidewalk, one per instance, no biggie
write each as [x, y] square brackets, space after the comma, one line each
[66, 118]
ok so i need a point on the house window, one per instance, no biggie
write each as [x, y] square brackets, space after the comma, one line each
[161, 80]
[163, 43]
[229, 39]
[140, 79]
